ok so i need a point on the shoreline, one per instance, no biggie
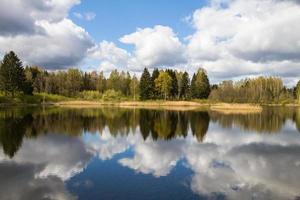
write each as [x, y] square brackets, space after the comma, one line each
[226, 108]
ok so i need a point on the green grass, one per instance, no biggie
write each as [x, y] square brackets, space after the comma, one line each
[51, 97]
[36, 98]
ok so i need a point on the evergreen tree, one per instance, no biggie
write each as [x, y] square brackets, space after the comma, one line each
[185, 86]
[146, 85]
[298, 91]
[156, 93]
[200, 86]
[86, 81]
[193, 87]
[174, 84]
[12, 74]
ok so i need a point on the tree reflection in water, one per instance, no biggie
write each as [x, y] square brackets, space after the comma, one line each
[157, 124]
[52, 145]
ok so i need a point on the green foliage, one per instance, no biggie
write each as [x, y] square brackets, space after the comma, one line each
[146, 85]
[174, 84]
[200, 87]
[12, 75]
[101, 83]
[134, 87]
[168, 84]
[27, 88]
[298, 91]
[112, 95]
[156, 93]
[90, 95]
[185, 86]
[257, 90]
[73, 81]
[163, 84]
[50, 97]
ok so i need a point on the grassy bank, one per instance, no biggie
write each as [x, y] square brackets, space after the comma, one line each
[56, 100]
[36, 99]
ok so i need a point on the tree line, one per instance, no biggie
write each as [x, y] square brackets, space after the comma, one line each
[165, 84]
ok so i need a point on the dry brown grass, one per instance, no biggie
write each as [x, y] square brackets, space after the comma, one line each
[235, 108]
[225, 108]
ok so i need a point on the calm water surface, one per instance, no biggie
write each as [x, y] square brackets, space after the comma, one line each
[114, 153]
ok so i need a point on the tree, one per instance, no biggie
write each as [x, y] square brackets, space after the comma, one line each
[134, 86]
[155, 74]
[164, 84]
[174, 83]
[113, 81]
[101, 83]
[185, 86]
[200, 86]
[12, 74]
[74, 78]
[146, 85]
[86, 81]
[298, 91]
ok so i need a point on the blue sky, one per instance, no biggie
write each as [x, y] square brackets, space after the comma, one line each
[119, 17]
[230, 39]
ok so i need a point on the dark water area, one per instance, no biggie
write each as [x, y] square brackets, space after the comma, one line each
[118, 153]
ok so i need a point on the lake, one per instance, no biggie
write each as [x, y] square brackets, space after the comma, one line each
[119, 153]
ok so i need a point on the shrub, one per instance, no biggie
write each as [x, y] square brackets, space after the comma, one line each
[90, 95]
[112, 95]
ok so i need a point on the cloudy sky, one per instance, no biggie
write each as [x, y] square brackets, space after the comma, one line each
[231, 39]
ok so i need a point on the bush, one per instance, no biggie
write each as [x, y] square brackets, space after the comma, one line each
[90, 95]
[51, 97]
[112, 95]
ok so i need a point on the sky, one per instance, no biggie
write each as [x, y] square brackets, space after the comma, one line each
[230, 39]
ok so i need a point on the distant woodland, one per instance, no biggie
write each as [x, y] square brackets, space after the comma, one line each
[169, 84]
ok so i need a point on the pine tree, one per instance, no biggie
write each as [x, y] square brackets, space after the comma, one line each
[200, 87]
[193, 87]
[174, 84]
[146, 85]
[298, 91]
[12, 74]
[185, 86]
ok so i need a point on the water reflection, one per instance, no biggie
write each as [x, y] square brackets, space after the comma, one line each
[226, 153]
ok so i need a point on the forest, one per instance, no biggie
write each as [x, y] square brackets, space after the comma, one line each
[17, 80]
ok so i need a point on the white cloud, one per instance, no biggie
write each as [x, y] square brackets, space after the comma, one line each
[110, 56]
[240, 38]
[68, 158]
[232, 39]
[88, 16]
[158, 46]
[153, 47]
[43, 35]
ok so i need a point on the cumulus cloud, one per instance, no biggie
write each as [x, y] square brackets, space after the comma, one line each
[110, 55]
[157, 46]
[68, 158]
[18, 181]
[231, 39]
[227, 162]
[241, 38]
[41, 33]
[153, 47]
[157, 158]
